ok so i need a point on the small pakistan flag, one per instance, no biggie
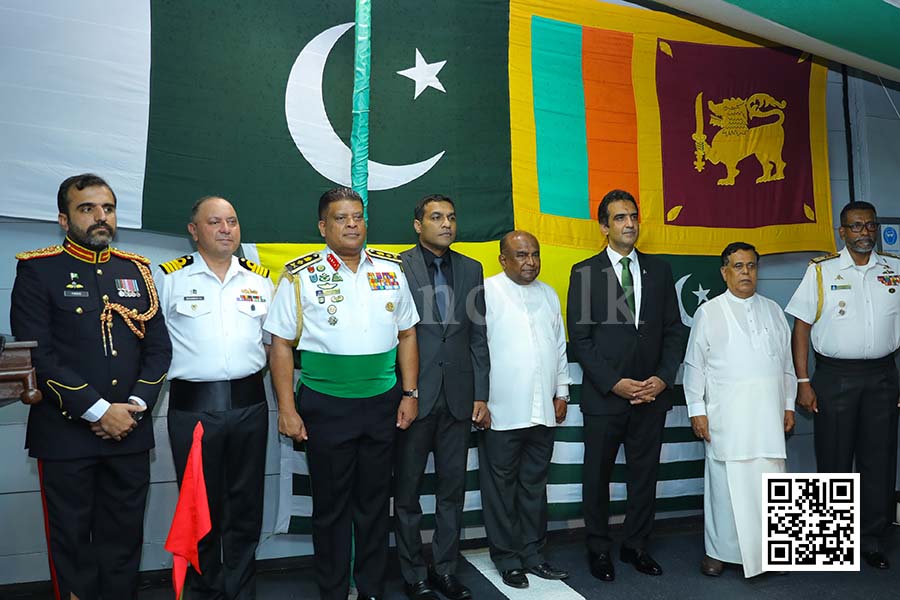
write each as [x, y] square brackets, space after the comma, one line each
[252, 101]
[697, 280]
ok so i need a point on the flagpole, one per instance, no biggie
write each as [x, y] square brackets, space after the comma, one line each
[359, 137]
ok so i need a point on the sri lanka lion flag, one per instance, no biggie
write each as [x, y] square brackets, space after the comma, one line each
[719, 138]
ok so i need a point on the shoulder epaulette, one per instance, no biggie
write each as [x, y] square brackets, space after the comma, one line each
[385, 255]
[889, 254]
[170, 266]
[129, 255]
[41, 253]
[824, 257]
[295, 266]
[252, 266]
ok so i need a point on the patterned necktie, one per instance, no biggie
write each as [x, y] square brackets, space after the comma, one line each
[628, 283]
[441, 289]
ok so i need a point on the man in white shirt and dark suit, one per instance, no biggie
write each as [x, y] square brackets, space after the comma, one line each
[626, 332]
[528, 396]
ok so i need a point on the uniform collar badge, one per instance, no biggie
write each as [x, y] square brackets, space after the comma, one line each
[84, 254]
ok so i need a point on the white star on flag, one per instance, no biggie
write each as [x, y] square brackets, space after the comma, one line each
[424, 74]
[702, 294]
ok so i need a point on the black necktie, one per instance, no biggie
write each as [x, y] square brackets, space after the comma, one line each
[441, 289]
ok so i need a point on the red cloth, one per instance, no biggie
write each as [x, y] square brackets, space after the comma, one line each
[191, 521]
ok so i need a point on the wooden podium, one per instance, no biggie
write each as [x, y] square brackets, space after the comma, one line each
[17, 378]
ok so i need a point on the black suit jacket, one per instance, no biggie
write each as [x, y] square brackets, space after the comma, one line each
[454, 354]
[73, 371]
[605, 340]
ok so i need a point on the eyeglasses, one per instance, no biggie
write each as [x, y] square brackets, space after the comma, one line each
[857, 227]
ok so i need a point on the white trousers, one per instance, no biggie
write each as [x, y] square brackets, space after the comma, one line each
[732, 509]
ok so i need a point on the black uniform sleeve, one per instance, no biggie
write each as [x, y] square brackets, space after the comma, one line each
[31, 320]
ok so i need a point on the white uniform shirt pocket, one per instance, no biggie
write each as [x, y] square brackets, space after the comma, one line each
[193, 308]
[252, 309]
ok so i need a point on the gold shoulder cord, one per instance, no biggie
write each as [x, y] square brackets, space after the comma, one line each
[129, 315]
[820, 298]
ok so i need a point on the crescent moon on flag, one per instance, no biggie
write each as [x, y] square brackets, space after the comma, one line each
[687, 319]
[326, 152]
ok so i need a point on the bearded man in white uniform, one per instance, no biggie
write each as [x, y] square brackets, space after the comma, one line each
[740, 388]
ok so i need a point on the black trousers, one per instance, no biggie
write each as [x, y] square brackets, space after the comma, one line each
[439, 432]
[857, 418]
[349, 457]
[94, 518]
[513, 467]
[641, 429]
[234, 461]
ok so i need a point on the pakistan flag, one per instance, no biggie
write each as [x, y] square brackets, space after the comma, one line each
[252, 101]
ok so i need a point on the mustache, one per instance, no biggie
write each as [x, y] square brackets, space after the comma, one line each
[104, 226]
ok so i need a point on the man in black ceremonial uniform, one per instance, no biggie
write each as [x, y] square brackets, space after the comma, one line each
[102, 355]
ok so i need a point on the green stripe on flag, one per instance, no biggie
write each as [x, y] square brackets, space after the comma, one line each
[562, 159]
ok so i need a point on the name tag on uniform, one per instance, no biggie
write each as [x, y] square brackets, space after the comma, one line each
[845, 286]
[194, 298]
[384, 281]
[76, 293]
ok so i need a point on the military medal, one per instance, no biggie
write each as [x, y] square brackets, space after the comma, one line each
[337, 277]
[128, 288]
[332, 309]
[389, 307]
[320, 268]
[332, 320]
[383, 281]
[337, 298]
[313, 278]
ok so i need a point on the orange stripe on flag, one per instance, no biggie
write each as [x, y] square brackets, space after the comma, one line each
[610, 114]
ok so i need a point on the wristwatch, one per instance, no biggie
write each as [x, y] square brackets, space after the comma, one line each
[411, 393]
[565, 398]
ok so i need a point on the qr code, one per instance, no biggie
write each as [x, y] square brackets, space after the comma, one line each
[810, 522]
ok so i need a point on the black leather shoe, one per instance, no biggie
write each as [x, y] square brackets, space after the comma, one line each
[449, 585]
[711, 567]
[641, 560]
[602, 566]
[515, 578]
[876, 560]
[545, 571]
[420, 590]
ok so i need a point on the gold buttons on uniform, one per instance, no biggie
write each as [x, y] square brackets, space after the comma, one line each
[115, 382]
[79, 310]
[105, 298]
[99, 271]
[115, 352]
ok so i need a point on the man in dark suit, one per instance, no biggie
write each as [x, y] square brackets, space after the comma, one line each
[87, 434]
[626, 332]
[448, 289]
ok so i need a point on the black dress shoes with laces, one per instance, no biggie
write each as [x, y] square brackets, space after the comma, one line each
[602, 566]
[545, 571]
[641, 560]
[515, 578]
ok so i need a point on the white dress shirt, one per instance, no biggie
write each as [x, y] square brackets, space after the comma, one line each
[739, 371]
[860, 306]
[215, 325]
[527, 343]
[635, 268]
[345, 313]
